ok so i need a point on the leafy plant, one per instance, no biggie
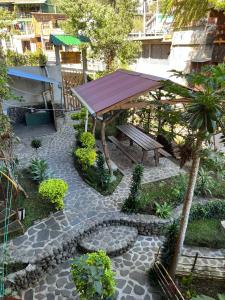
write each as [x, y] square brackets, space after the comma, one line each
[81, 118]
[38, 170]
[86, 157]
[168, 248]
[54, 190]
[163, 210]
[87, 140]
[204, 183]
[36, 143]
[132, 202]
[93, 276]
[203, 297]
[211, 210]
[214, 161]
[103, 174]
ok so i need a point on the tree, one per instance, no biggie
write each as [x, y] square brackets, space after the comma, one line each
[106, 23]
[205, 116]
[185, 12]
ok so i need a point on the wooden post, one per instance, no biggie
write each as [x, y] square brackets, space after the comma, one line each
[94, 120]
[57, 55]
[105, 147]
[195, 261]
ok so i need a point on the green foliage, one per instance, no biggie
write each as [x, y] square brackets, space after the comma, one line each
[131, 204]
[103, 174]
[202, 297]
[107, 25]
[186, 12]
[186, 283]
[214, 161]
[168, 248]
[169, 191]
[204, 183]
[38, 170]
[86, 157]
[205, 233]
[36, 58]
[163, 210]
[54, 190]
[80, 117]
[210, 210]
[87, 140]
[36, 143]
[93, 276]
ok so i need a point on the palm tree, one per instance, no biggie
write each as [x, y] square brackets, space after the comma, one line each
[204, 116]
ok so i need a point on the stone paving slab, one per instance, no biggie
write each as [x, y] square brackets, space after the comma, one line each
[114, 240]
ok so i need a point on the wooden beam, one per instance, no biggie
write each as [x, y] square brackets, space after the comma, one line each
[132, 105]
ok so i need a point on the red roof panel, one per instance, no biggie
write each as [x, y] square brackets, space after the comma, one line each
[114, 88]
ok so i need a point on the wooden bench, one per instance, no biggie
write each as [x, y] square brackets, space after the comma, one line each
[122, 148]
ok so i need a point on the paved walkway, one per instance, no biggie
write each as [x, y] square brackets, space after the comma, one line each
[83, 205]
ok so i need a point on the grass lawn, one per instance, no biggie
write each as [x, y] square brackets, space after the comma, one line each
[205, 233]
[170, 190]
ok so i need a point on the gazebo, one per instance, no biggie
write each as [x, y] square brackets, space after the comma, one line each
[107, 97]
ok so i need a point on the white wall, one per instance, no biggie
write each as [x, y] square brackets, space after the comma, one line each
[30, 90]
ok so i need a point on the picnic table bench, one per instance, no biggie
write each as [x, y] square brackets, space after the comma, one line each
[143, 140]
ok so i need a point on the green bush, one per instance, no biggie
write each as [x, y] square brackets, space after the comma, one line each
[169, 244]
[103, 174]
[87, 140]
[86, 157]
[131, 204]
[54, 190]
[163, 210]
[93, 277]
[36, 58]
[35, 143]
[204, 183]
[81, 117]
[38, 170]
[210, 210]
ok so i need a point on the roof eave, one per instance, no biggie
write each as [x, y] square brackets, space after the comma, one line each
[92, 112]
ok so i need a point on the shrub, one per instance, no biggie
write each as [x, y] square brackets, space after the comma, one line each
[86, 157]
[38, 170]
[103, 174]
[81, 117]
[54, 190]
[35, 144]
[204, 183]
[93, 276]
[211, 210]
[132, 202]
[163, 210]
[87, 140]
[169, 245]
[202, 297]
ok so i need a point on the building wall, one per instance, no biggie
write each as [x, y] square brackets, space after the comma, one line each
[31, 91]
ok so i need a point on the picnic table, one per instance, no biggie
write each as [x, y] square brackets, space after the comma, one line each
[143, 140]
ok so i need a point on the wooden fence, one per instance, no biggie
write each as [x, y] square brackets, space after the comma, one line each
[70, 79]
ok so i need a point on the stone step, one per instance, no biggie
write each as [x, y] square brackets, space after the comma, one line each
[114, 240]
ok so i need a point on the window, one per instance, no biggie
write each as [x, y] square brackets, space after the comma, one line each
[48, 46]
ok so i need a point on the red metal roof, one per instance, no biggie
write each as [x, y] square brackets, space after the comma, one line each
[103, 93]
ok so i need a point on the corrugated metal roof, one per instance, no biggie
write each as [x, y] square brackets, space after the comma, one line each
[19, 73]
[103, 93]
[67, 40]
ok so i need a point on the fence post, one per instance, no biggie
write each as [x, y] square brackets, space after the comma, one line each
[194, 263]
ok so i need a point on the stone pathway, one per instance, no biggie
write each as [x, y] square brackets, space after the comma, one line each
[84, 207]
[131, 276]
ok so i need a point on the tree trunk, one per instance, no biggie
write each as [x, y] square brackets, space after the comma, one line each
[105, 147]
[186, 208]
[94, 122]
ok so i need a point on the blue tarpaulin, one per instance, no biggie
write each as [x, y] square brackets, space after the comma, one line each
[19, 73]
